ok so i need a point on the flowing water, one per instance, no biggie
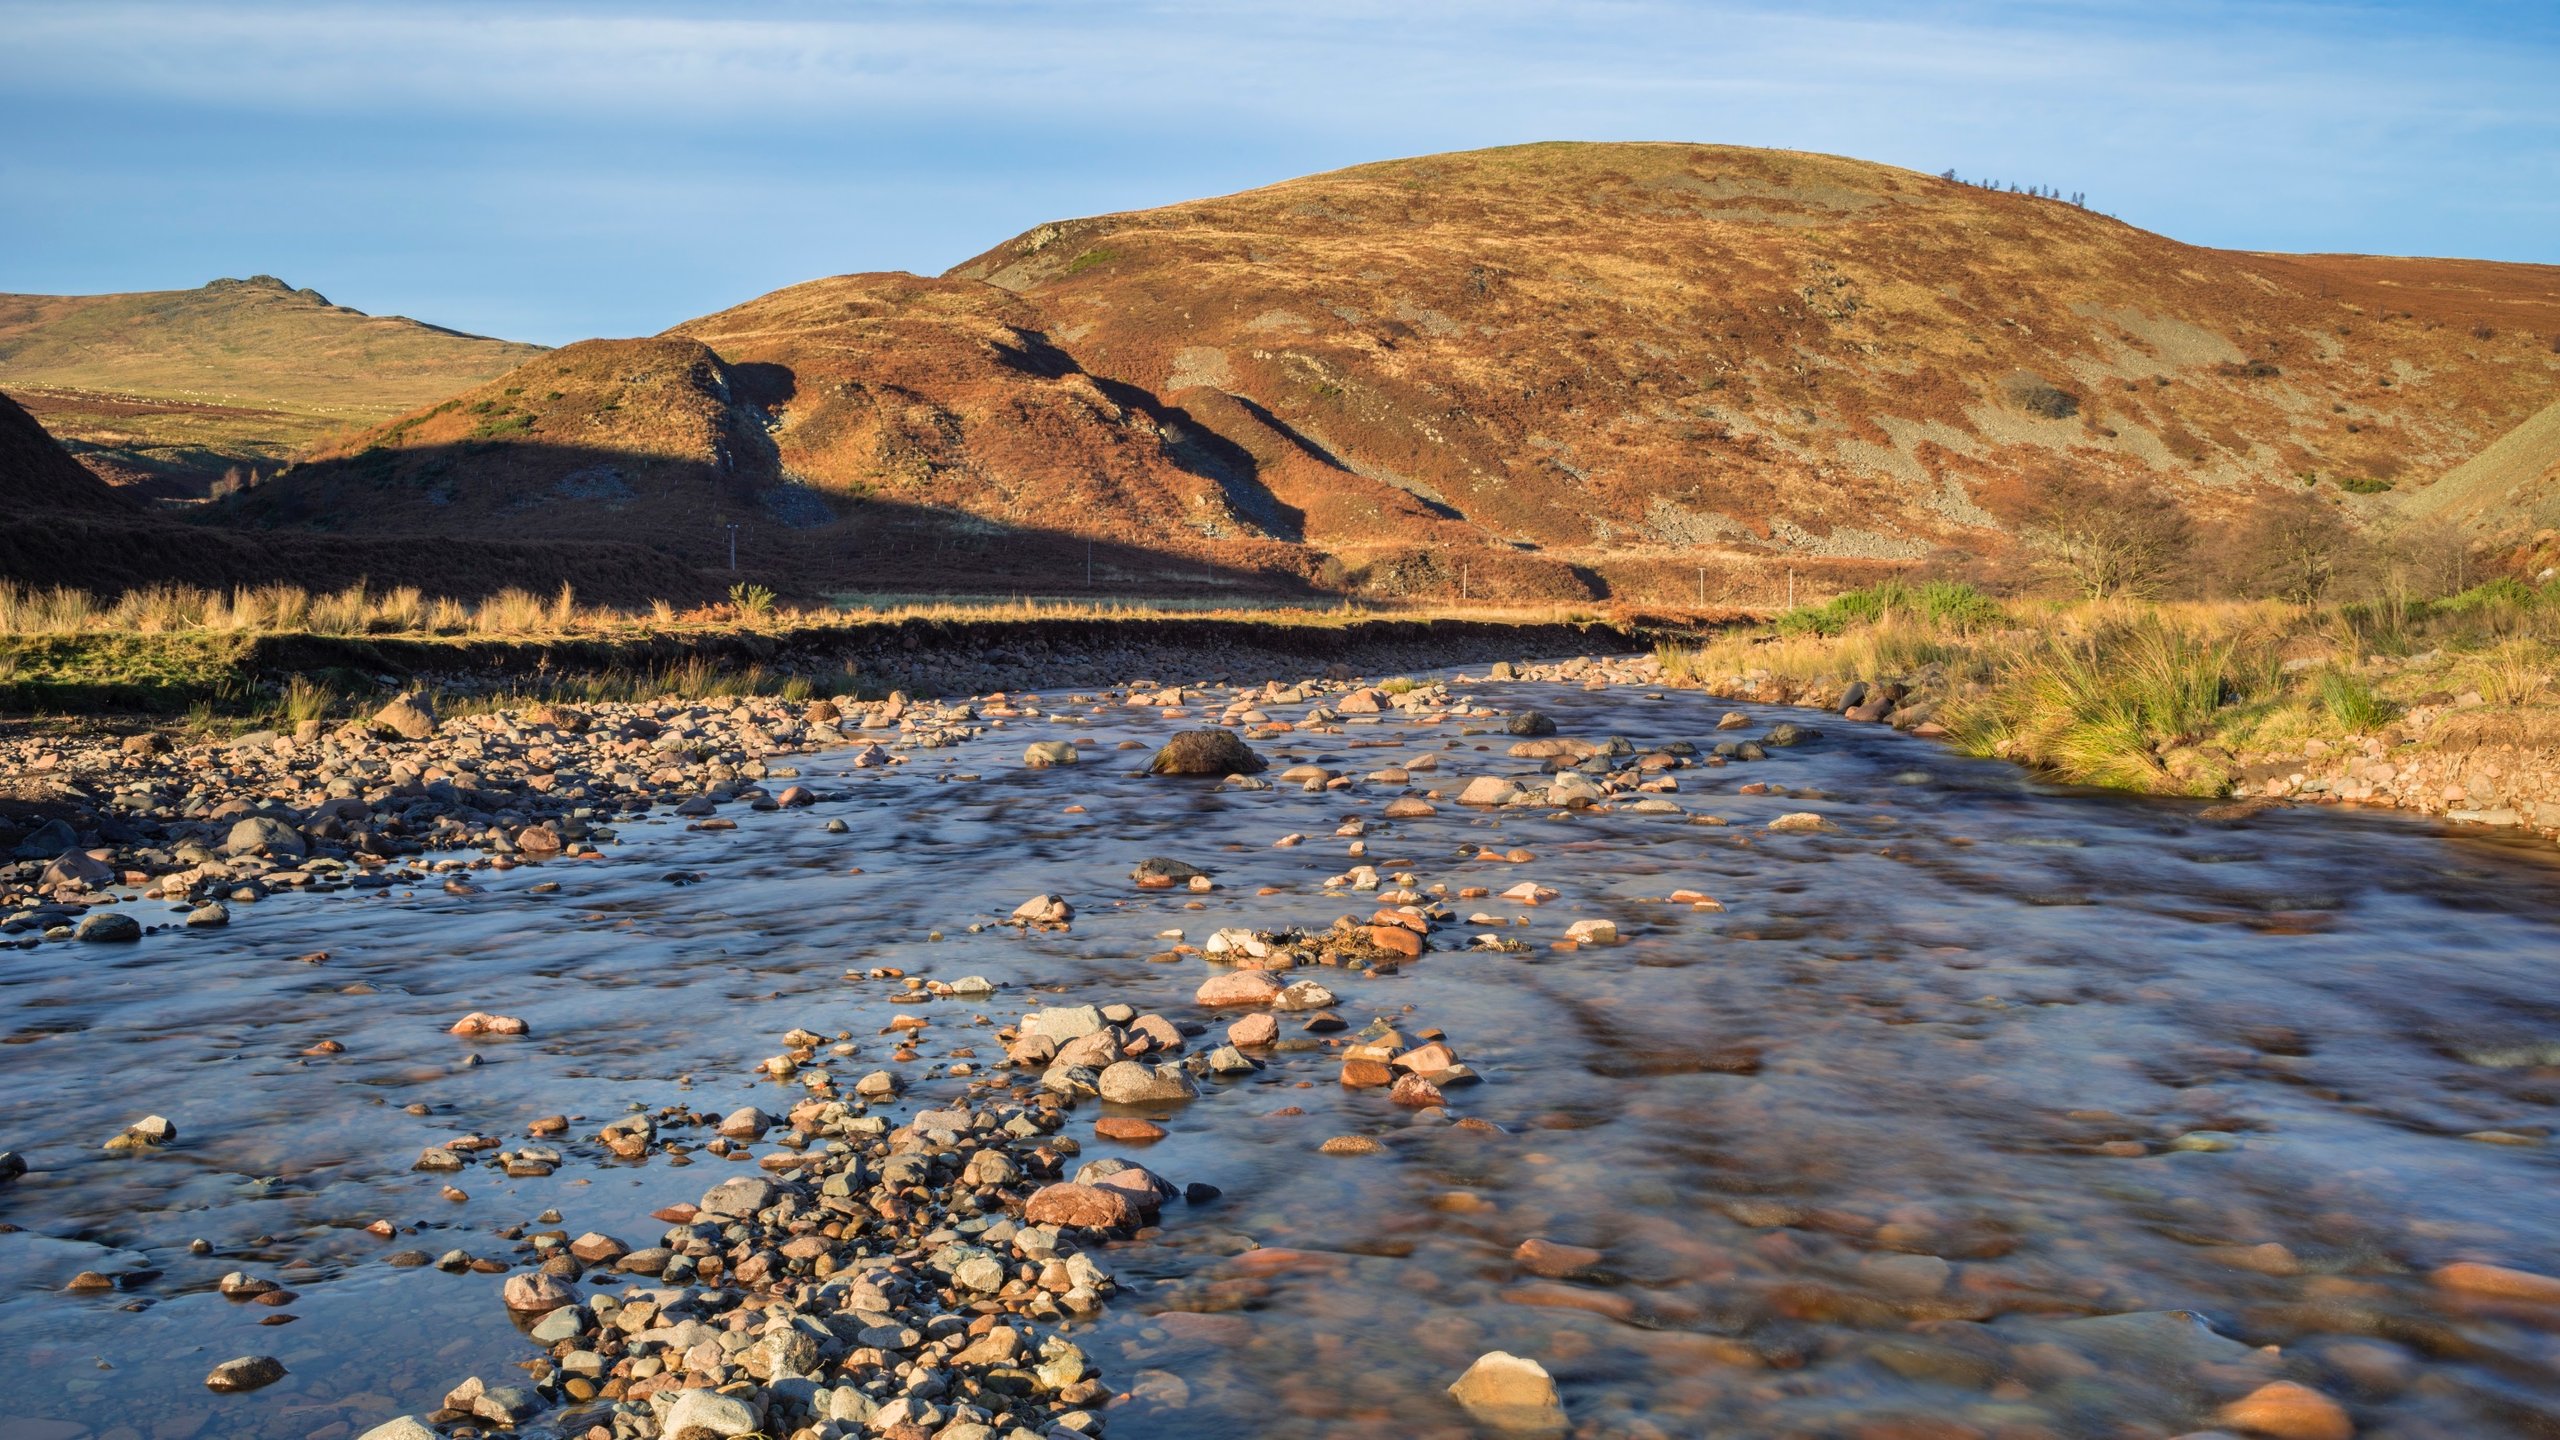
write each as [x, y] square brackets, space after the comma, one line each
[1933, 1130]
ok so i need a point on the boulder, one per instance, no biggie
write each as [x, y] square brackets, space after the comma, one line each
[708, 1415]
[1530, 722]
[1489, 790]
[538, 1293]
[49, 838]
[1127, 1082]
[1083, 1207]
[411, 717]
[109, 927]
[1238, 987]
[1041, 754]
[259, 835]
[77, 870]
[1044, 910]
[249, 1372]
[738, 1197]
[1158, 873]
[1206, 752]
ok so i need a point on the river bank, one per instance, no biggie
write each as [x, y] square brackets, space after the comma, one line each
[1833, 1084]
[2453, 715]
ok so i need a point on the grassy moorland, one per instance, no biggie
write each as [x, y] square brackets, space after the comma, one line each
[280, 654]
[2163, 696]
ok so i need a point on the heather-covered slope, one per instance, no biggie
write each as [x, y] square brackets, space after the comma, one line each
[1547, 370]
[1610, 348]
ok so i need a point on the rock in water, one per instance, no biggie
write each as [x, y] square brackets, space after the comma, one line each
[1041, 754]
[1530, 722]
[1127, 1082]
[538, 1293]
[1158, 873]
[249, 1372]
[1788, 732]
[108, 926]
[409, 716]
[1085, 1207]
[405, 1427]
[1044, 910]
[1206, 752]
[1515, 1396]
[2287, 1411]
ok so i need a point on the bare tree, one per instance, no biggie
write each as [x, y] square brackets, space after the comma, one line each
[2292, 547]
[2106, 537]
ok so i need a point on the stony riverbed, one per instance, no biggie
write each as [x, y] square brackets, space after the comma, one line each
[1638, 1065]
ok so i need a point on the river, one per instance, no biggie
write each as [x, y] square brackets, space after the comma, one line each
[1933, 1129]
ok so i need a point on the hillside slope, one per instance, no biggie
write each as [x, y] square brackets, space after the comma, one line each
[66, 527]
[38, 477]
[177, 386]
[2510, 488]
[1550, 369]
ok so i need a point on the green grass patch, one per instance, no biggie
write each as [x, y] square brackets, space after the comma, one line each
[1948, 604]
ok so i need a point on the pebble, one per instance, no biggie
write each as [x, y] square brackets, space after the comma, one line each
[2283, 1410]
[1511, 1395]
[2497, 1282]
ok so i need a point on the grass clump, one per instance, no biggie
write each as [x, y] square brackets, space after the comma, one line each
[1943, 604]
[2112, 706]
[2352, 701]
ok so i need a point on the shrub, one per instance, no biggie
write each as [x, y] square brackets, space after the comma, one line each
[751, 600]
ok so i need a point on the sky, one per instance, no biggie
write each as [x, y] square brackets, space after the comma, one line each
[552, 171]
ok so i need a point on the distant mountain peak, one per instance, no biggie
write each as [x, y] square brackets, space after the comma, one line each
[267, 282]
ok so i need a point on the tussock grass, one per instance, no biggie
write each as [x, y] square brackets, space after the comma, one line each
[2106, 707]
[2154, 696]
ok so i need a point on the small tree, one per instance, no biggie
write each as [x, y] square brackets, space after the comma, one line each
[2293, 548]
[2105, 537]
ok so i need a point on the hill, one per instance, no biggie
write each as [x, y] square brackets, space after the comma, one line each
[1544, 370]
[37, 477]
[168, 390]
[68, 528]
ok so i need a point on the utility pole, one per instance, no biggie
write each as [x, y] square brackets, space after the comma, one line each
[733, 546]
[1791, 587]
[1702, 587]
[1462, 582]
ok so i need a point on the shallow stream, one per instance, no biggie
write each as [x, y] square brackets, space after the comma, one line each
[1870, 1152]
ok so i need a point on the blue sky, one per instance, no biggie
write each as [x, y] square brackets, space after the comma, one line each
[548, 171]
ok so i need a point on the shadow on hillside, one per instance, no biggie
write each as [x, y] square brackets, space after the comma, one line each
[568, 502]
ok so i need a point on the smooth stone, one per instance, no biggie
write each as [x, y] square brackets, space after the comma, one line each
[1510, 1394]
